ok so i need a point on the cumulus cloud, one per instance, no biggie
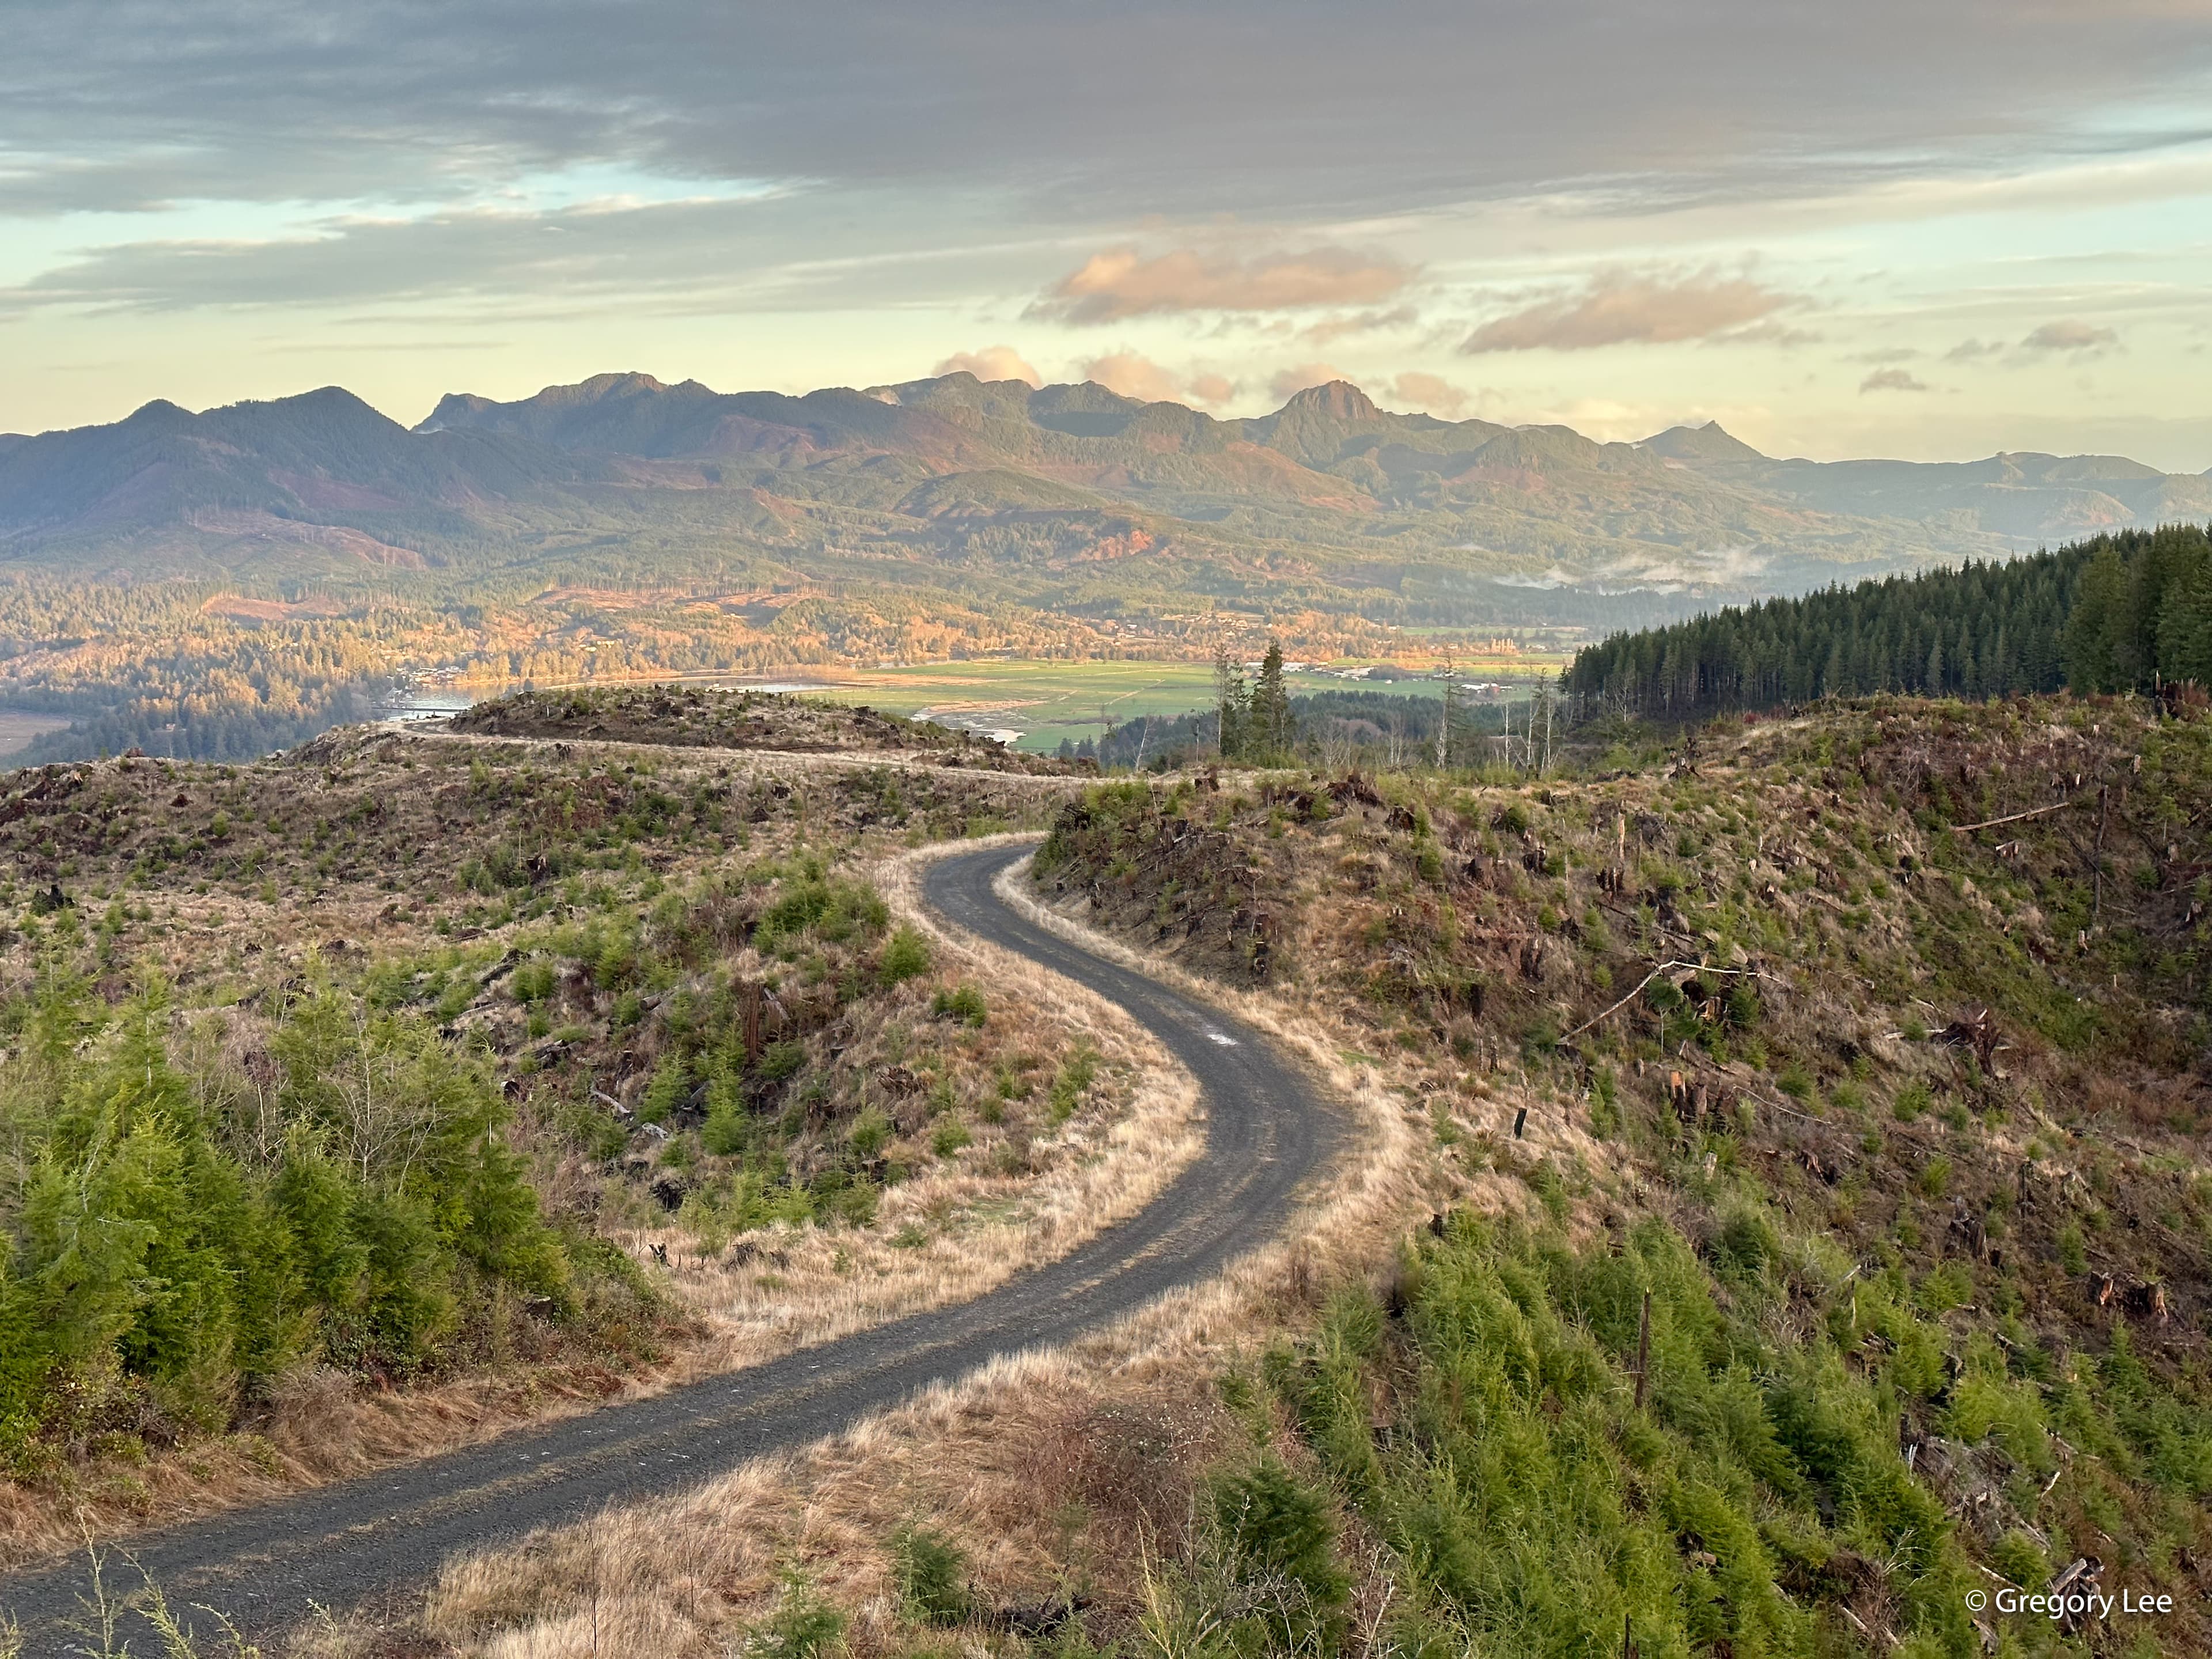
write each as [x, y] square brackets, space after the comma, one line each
[1121, 282]
[1892, 380]
[1134, 376]
[1211, 390]
[997, 362]
[2070, 334]
[1431, 393]
[1631, 308]
[1290, 381]
[1967, 351]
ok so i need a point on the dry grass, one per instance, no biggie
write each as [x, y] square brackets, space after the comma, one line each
[785, 1287]
[1048, 1467]
[782, 1288]
[319, 1427]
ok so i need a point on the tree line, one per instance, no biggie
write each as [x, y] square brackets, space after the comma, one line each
[1268, 726]
[2125, 611]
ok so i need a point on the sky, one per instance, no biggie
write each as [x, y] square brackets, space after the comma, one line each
[1930, 230]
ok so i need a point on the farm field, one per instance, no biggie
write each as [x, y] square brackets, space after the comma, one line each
[1043, 702]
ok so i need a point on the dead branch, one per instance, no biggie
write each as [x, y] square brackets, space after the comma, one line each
[1662, 968]
[2013, 817]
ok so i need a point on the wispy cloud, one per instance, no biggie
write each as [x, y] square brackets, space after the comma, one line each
[1364, 322]
[2071, 334]
[1623, 307]
[1892, 379]
[1121, 282]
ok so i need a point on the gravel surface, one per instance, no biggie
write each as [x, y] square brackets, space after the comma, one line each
[1268, 1131]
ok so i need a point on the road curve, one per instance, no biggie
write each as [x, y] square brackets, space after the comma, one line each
[1266, 1131]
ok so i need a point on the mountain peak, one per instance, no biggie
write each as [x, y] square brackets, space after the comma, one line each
[1339, 400]
[609, 385]
[1710, 442]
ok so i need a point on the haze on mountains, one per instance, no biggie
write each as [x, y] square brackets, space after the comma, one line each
[1063, 495]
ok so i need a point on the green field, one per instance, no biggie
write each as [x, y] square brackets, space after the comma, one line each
[1045, 701]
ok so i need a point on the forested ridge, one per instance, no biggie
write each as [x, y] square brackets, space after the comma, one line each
[2128, 610]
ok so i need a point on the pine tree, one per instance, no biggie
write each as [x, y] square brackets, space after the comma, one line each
[1271, 724]
[1233, 704]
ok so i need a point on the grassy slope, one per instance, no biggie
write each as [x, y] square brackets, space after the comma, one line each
[654, 978]
[1925, 1308]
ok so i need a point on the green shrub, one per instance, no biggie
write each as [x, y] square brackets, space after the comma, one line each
[870, 1133]
[2073, 1256]
[727, 1128]
[780, 1061]
[932, 1575]
[1073, 1077]
[164, 1244]
[963, 1003]
[831, 909]
[1281, 1539]
[802, 1627]
[906, 956]
[671, 1080]
[2022, 1559]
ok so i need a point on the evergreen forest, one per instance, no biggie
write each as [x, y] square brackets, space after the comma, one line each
[2130, 611]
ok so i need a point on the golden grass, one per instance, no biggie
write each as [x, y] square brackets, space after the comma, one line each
[1034, 1462]
[1137, 1129]
[1140, 1128]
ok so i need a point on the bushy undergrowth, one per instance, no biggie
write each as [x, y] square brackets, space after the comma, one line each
[1902, 1008]
[181, 1228]
[1762, 1501]
[1533, 1508]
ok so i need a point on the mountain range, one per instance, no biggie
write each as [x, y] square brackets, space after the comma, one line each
[1056, 489]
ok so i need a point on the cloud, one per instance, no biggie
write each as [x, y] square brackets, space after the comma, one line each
[1892, 380]
[1365, 322]
[1433, 392]
[1629, 307]
[997, 362]
[2070, 334]
[1890, 354]
[1967, 351]
[1211, 390]
[1134, 376]
[1290, 381]
[1094, 116]
[1120, 282]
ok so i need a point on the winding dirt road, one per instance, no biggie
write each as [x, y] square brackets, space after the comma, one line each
[1268, 1131]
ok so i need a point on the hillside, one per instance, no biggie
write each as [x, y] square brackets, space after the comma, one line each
[1896, 1123]
[2031, 498]
[1778, 1224]
[378, 1073]
[2129, 611]
[1861, 1054]
[217, 585]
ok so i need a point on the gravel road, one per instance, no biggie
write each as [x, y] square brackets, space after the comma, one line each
[1268, 1131]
